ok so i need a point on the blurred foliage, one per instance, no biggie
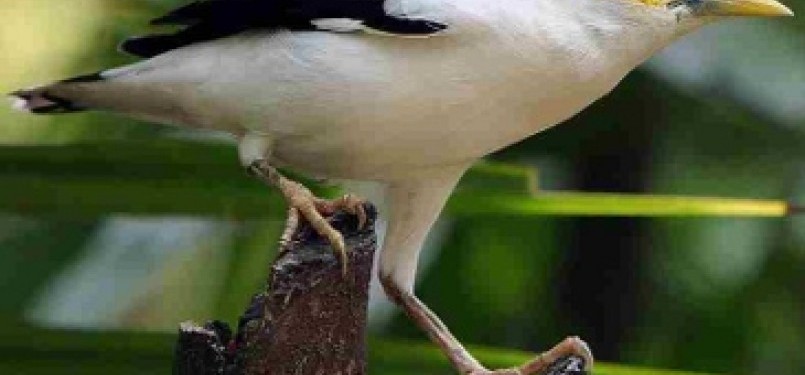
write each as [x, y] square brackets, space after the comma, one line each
[113, 224]
[85, 352]
[180, 177]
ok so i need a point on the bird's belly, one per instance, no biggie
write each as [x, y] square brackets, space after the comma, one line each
[388, 142]
[374, 108]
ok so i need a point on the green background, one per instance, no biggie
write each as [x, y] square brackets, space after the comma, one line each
[113, 231]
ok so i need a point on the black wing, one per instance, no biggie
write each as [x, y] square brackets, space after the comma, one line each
[211, 19]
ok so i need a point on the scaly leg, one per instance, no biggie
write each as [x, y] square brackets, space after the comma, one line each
[302, 203]
[461, 359]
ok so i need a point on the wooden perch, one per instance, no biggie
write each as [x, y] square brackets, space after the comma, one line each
[309, 320]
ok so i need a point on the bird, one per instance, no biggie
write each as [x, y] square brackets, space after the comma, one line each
[406, 93]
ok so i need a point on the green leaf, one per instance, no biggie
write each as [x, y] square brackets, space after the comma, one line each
[33, 351]
[164, 177]
[609, 204]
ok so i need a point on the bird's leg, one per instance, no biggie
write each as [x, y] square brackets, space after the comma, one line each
[303, 204]
[461, 359]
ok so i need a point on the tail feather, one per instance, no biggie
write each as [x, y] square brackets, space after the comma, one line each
[40, 100]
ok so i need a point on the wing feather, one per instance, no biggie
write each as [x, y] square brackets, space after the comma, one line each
[212, 19]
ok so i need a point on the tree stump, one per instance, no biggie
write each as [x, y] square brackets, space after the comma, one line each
[310, 319]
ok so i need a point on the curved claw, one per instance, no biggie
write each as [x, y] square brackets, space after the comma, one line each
[309, 210]
[570, 346]
[303, 203]
[349, 203]
[355, 206]
[571, 356]
[340, 249]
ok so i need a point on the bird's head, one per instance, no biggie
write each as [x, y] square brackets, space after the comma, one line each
[638, 28]
[698, 12]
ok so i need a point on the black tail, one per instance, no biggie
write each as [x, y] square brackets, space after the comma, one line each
[40, 100]
[41, 103]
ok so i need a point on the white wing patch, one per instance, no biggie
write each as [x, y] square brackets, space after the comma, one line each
[339, 25]
[373, 31]
[404, 28]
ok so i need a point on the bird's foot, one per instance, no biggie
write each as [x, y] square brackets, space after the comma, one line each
[572, 356]
[349, 203]
[315, 210]
[302, 203]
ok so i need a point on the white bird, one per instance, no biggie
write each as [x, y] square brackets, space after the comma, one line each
[408, 93]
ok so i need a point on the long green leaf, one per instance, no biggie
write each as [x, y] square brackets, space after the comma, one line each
[33, 351]
[608, 204]
[193, 178]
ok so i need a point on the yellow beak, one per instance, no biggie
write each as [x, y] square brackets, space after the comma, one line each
[760, 8]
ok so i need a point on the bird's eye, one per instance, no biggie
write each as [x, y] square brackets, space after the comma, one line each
[669, 4]
[675, 3]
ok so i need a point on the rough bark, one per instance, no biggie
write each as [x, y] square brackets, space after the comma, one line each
[310, 319]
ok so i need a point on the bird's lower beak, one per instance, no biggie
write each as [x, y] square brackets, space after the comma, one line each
[759, 8]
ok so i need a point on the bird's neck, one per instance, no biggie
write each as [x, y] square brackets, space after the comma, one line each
[624, 31]
[605, 33]
[539, 62]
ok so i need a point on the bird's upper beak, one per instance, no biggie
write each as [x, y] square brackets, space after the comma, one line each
[760, 8]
